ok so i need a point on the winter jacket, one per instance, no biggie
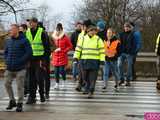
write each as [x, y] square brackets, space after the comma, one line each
[128, 43]
[17, 53]
[138, 39]
[90, 51]
[102, 35]
[74, 38]
[63, 42]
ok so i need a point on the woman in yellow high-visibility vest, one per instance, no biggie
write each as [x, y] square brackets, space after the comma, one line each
[90, 52]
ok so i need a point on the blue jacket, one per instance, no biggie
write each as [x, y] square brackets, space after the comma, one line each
[138, 39]
[17, 53]
[128, 43]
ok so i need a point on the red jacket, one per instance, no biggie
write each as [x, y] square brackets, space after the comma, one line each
[60, 58]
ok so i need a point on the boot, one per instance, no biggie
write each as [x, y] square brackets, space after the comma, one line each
[19, 107]
[42, 98]
[90, 95]
[31, 100]
[12, 104]
[47, 96]
[105, 85]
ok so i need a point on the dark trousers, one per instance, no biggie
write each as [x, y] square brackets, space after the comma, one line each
[90, 77]
[59, 70]
[36, 78]
[47, 76]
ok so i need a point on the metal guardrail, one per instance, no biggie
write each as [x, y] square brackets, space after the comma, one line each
[141, 57]
[146, 57]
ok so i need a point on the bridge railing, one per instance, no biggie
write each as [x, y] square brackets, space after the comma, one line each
[146, 61]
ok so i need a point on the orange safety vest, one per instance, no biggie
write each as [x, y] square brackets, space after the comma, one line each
[111, 48]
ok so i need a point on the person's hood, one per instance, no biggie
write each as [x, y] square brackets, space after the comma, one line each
[56, 37]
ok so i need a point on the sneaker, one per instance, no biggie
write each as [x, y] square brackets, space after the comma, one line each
[19, 107]
[121, 82]
[56, 86]
[31, 101]
[12, 104]
[128, 84]
[90, 95]
[116, 86]
[85, 92]
[78, 89]
[74, 79]
[104, 88]
[25, 95]
[63, 83]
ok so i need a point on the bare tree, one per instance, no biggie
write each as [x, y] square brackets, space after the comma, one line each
[12, 6]
[47, 19]
[42, 13]
[115, 12]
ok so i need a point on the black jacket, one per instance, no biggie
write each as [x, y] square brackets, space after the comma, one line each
[74, 38]
[102, 35]
[128, 43]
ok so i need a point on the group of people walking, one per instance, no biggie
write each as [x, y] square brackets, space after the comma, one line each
[28, 56]
[98, 46]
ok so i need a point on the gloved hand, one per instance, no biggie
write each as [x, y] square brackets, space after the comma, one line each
[75, 60]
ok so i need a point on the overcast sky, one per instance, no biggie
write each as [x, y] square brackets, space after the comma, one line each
[58, 6]
[65, 7]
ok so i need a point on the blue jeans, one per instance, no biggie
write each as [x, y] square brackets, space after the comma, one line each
[75, 69]
[121, 60]
[110, 66]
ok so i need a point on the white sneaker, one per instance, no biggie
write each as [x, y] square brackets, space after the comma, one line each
[56, 86]
[63, 83]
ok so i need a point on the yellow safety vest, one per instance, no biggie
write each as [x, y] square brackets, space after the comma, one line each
[36, 44]
[90, 48]
[157, 43]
